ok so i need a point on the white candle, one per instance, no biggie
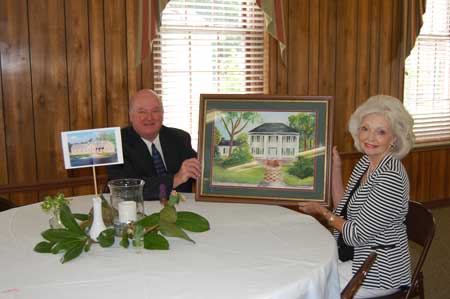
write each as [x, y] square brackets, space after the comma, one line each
[127, 211]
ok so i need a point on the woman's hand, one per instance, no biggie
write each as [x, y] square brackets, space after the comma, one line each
[337, 162]
[337, 186]
[322, 213]
[312, 208]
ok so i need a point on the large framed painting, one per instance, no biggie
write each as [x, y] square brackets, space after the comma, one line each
[265, 149]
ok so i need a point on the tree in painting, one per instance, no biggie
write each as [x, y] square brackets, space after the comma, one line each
[106, 136]
[304, 123]
[217, 138]
[235, 122]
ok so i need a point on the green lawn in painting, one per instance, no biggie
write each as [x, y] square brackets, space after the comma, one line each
[254, 174]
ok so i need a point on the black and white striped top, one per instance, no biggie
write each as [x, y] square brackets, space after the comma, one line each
[376, 214]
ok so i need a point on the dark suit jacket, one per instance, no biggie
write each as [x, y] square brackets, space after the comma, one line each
[176, 147]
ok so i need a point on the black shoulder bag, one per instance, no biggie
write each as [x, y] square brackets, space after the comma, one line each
[346, 251]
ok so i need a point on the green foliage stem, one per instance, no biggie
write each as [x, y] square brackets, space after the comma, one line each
[54, 203]
[148, 232]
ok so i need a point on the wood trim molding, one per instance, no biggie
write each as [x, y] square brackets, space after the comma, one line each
[53, 184]
[437, 203]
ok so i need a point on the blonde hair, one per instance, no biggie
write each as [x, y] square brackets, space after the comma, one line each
[399, 119]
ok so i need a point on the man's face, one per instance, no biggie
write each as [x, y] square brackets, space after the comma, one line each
[146, 115]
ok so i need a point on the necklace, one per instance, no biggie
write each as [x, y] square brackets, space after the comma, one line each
[368, 172]
[371, 169]
[373, 166]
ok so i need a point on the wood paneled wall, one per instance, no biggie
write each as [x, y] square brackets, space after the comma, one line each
[70, 64]
[64, 65]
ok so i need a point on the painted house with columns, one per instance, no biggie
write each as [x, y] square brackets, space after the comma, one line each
[274, 141]
[92, 147]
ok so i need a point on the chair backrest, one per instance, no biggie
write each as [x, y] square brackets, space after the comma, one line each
[6, 204]
[355, 283]
[421, 227]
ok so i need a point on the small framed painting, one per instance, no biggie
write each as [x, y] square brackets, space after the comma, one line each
[265, 149]
[95, 147]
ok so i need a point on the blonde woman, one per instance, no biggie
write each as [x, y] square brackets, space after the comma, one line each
[369, 213]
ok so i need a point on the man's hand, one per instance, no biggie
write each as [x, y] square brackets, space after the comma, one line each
[190, 169]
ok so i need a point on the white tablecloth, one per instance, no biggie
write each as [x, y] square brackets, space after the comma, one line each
[251, 251]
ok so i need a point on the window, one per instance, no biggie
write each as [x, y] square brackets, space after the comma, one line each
[427, 75]
[206, 46]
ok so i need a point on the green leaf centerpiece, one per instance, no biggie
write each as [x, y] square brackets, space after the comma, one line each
[149, 232]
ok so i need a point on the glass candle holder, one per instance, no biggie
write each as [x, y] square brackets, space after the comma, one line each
[122, 191]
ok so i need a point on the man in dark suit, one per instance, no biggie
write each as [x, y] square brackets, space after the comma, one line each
[155, 153]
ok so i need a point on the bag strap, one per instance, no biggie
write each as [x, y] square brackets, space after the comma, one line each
[344, 209]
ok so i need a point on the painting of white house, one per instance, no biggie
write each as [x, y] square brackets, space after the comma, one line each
[271, 149]
[86, 148]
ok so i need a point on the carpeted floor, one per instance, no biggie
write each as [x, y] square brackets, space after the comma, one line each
[437, 266]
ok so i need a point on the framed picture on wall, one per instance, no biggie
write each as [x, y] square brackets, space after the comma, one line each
[265, 149]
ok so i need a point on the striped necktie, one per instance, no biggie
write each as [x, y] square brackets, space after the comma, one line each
[158, 162]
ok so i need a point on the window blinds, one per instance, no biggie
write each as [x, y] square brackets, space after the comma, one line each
[427, 76]
[206, 47]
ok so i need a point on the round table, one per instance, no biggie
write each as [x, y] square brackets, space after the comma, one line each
[251, 251]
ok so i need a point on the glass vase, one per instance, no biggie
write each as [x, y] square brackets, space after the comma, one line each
[55, 221]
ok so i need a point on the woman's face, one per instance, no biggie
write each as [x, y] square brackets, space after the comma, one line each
[375, 135]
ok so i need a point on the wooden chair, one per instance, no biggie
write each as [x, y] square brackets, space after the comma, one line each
[6, 204]
[355, 283]
[421, 227]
